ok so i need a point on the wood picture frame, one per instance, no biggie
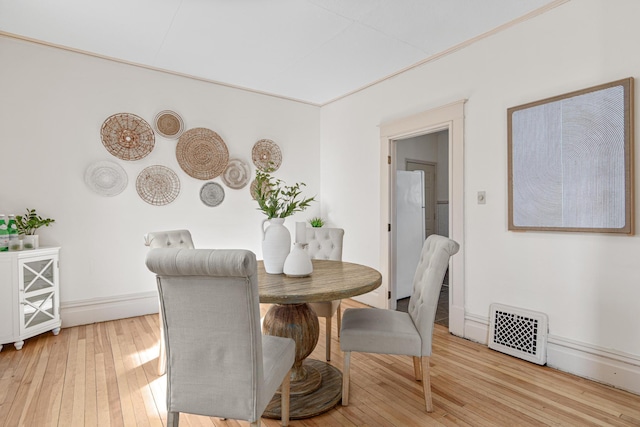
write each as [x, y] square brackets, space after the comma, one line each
[570, 161]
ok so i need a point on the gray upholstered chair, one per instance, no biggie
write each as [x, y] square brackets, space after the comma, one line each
[167, 239]
[326, 243]
[219, 363]
[372, 330]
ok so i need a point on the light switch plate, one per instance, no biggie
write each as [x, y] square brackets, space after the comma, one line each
[482, 197]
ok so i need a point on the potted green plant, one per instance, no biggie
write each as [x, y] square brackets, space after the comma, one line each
[27, 226]
[277, 201]
[316, 222]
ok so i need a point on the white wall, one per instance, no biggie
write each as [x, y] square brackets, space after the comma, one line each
[587, 283]
[52, 106]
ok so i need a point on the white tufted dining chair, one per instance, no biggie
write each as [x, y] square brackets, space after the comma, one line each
[167, 239]
[219, 363]
[326, 243]
[373, 330]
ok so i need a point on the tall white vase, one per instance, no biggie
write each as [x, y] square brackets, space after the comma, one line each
[276, 245]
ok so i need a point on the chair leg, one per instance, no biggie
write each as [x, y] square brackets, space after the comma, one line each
[345, 378]
[426, 383]
[285, 389]
[339, 317]
[256, 423]
[328, 338]
[173, 419]
[417, 369]
[162, 353]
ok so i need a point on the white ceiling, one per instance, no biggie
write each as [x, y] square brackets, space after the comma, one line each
[310, 50]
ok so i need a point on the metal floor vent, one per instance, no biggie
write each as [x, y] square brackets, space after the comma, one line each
[520, 333]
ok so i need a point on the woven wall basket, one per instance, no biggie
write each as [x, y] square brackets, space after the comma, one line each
[254, 187]
[266, 155]
[237, 174]
[169, 124]
[106, 178]
[158, 185]
[202, 153]
[212, 194]
[127, 136]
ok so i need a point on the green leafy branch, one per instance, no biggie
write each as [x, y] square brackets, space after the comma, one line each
[277, 200]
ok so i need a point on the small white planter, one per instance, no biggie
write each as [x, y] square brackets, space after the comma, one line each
[31, 241]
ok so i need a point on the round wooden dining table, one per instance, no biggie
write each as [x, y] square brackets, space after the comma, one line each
[316, 386]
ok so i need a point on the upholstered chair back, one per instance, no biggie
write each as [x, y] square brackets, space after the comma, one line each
[211, 318]
[325, 243]
[427, 282]
[169, 239]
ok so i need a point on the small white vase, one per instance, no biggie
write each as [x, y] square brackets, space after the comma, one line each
[298, 263]
[276, 244]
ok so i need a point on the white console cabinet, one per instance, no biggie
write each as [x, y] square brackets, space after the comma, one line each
[29, 294]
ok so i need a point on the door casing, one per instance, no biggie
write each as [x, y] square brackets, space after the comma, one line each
[448, 117]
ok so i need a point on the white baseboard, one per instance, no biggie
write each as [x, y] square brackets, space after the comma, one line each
[95, 310]
[610, 367]
[476, 328]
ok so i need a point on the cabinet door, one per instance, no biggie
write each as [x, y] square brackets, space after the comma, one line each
[39, 292]
[38, 310]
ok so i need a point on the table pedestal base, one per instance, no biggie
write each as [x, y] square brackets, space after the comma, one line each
[315, 402]
[311, 382]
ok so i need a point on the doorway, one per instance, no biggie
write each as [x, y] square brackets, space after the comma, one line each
[428, 153]
[449, 117]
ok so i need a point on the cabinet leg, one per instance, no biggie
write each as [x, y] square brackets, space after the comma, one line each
[18, 345]
[56, 331]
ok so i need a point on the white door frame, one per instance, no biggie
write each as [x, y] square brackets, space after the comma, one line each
[448, 117]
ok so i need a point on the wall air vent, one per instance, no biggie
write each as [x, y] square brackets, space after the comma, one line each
[519, 333]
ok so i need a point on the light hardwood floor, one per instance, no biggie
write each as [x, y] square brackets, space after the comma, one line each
[105, 374]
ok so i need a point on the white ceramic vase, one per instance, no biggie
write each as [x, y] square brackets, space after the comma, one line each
[276, 245]
[298, 262]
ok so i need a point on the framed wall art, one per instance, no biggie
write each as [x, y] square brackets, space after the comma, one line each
[571, 161]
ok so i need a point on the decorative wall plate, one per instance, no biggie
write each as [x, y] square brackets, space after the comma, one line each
[127, 136]
[202, 153]
[158, 185]
[212, 194]
[169, 124]
[106, 178]
[237, 174]
[266, 155]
